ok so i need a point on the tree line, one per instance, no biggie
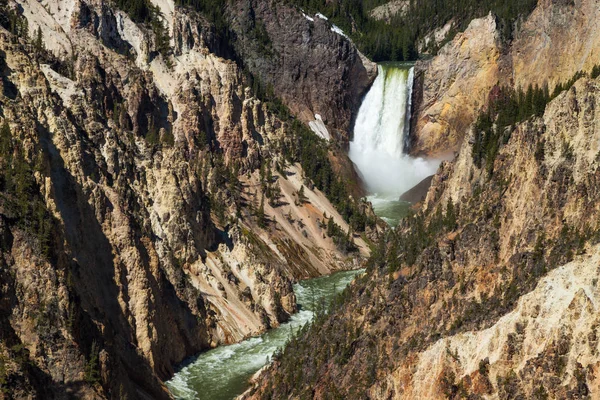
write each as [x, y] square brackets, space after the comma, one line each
[398, 40]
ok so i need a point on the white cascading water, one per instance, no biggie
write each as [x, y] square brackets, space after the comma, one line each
[381, 129]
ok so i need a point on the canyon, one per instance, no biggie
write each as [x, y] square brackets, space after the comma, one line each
[170, 172]
[489, 290]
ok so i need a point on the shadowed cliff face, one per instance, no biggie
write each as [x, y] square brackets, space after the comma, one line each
[132, 231]
[557, 40]
[313, 69]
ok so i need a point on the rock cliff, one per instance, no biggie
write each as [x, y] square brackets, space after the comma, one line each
[453, 86]
[556, 41]
[132, 230]
[314, 68]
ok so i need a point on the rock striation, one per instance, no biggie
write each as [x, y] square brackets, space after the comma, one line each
[304, 61]
[452, 87]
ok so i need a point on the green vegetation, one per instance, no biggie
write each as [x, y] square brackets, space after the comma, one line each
[343, 240]
[38, 41]
[92, 374]
[397, 41]
[20, 191]
[508, 107]
[11, 20]
[405, 244]
[3, 373]
[303, 361]
[312, 153]
[301, 196]
[212, 10]
[260, 213]
[144, 12]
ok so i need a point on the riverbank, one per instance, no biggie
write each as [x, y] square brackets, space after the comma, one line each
[224, 372]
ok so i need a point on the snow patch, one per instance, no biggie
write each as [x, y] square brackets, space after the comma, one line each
[322, 16]
[336, 29]
[311, 19]
[318, 127]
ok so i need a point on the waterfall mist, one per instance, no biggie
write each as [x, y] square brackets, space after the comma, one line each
[380, 132]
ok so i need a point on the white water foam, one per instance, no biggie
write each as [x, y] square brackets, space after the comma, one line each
[223, 373]
[380, 133]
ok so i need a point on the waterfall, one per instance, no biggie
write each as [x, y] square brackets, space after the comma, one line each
[380, 134]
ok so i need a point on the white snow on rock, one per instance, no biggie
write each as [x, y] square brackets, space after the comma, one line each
[322, 16]
[336, 29]
[311, 19]
[318, 127]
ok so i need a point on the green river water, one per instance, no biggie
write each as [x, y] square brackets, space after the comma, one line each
[223, 373]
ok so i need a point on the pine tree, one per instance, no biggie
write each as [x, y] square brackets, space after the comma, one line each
[301, 196]
[260, 214]
[330, 227]
[92, 374]
[5, 141]
[450, 220]
[38, 42]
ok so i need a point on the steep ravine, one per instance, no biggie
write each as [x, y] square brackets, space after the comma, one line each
[135, 224]
[312, 68]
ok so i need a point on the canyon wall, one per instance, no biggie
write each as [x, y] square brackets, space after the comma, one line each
[453, 86]
[556, 41]
[134, 226]
[314, 68]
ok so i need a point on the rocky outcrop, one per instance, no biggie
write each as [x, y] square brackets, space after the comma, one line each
[418, 192]
[552, 332]
[559, 39]
[130, 231]
[387, 11]
[312, 68]
[453, 86]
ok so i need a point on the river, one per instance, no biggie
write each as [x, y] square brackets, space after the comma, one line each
[223, 373]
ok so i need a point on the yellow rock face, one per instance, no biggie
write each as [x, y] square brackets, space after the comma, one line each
[555, 42]
[455, 85]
